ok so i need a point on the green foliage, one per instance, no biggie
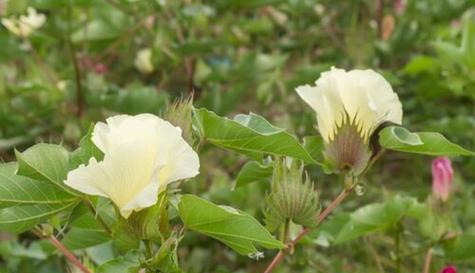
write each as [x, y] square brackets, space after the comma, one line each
[428, 143]
[85, 151]
[20, 190]
[252, 172]
[128, 263]
[251, 135]
[18, 219]
[374, 217]
[46, 162]
[235, 57]
[238, 230]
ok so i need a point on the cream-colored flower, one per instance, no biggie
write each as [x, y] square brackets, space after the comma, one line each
[142, 155]
[350, 106]
[25, 25]
[359, 97]
[143, 61]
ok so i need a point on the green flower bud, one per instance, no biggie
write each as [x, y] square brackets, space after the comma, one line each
[290, 197]
[179, 114]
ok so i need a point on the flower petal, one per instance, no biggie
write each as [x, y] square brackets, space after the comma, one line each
[142, 154]
[361, 97]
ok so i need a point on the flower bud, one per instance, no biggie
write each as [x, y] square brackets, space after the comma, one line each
[442, 177]
[179, 114]
[449, 269]
[290, 197]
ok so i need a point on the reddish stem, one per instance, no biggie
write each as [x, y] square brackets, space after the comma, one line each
[66, 252]
[427, 261]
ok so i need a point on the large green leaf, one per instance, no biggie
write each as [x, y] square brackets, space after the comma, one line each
[46, 162]
[16, 189]
[238, 230]
[374, 217]
[464, 248]
[21, 218]
[249, 134]
[79, 238]
[429, 143]
[253, 171]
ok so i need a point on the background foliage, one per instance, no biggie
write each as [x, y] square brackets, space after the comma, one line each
[240, 57]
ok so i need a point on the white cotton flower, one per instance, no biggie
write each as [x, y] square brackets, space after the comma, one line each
[350, 106]
[143, 61]
[361, 97]
[142, 155]
[25, 25]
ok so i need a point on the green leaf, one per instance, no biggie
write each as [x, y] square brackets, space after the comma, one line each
[87, 149]
[236, 229]
[428, 143]
[251, 135]
[124, 264]
[252, 172]
[374, 217]
[80, 238]
[46, 162]
[86, 231]
[16, 189]
[258, 124]
[314, 146]
[107, 23]
[18, 219]
[464, 248]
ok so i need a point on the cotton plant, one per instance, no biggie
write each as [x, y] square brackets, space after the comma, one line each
[125, 178]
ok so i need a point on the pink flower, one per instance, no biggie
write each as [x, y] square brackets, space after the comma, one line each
[449, 269]
[100, 68]
[442, 177]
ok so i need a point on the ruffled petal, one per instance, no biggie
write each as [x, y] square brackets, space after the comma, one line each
[359, 97]
[142, 154]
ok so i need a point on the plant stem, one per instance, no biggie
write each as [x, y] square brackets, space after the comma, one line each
[148, 248]
[427, 261]
[398, 247]
[285, 233]
[66, 252]
[80, 98]
[322, 216]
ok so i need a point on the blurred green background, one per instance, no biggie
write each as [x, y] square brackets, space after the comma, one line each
[240, 56]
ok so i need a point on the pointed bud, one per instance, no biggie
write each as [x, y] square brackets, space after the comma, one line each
[179, 114]
[442, 177]
[290, 197]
